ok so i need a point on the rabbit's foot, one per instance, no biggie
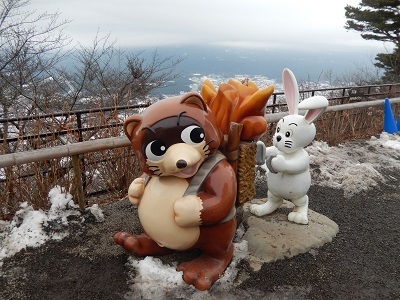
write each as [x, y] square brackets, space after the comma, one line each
[297, 217]
[299, 214]
[265, 208]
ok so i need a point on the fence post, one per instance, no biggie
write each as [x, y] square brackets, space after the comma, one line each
[78, 181]
[82, 157]
[273, 103]
[389, 92]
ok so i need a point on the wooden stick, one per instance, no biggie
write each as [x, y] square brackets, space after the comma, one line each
[232, 144]
[78, 181]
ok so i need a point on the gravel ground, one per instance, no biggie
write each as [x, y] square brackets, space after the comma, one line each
[362, 261]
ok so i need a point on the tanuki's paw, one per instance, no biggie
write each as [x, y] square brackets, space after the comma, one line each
[126, 240]
[204, 270]
[140, 245]
[187, 211]
[136, 190]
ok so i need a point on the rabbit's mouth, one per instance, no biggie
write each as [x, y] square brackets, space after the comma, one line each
[283, 145]
[288, 144]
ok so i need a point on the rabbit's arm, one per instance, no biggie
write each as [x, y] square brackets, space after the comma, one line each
[295, 164]
[270, 151]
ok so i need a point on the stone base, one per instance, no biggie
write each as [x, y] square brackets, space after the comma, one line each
[273, 237]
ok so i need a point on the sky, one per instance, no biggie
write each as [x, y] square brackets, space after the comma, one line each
[289, 24]
[351, 167]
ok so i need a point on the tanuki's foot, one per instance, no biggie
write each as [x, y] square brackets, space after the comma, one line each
[141, 245]
[204, 270]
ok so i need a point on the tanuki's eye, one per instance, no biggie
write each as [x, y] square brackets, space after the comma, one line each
[193, 135]
[155, 150]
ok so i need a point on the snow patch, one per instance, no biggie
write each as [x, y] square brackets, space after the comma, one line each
[32, 228]
[151, 279]
[354, 167]
[96, 211]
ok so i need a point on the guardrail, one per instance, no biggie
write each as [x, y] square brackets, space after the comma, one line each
[76, 114]
[272, 118]
[342, 95]
[74, 150]
[70, 150]
[339, 95]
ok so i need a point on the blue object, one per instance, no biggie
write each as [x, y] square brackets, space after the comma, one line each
[389, 123]
[398, 124]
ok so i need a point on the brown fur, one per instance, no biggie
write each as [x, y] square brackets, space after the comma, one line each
[163, 124]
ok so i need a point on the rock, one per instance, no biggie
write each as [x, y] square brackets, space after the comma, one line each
[273, 237]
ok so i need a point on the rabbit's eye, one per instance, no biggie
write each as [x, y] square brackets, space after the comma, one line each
[278, 129]
[288, 133]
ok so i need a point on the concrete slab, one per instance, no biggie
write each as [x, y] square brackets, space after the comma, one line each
[273, 237]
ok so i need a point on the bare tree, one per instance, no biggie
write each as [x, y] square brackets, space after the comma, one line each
[30, 44]
[38, 75]
[362, 75]
[34, 78]
[107, 76]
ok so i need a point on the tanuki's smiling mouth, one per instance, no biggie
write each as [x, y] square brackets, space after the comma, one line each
[189, 171]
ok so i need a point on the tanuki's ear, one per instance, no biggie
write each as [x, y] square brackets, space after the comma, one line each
[130, 125]
[193, 98]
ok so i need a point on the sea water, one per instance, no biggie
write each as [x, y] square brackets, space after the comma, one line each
[263, 66]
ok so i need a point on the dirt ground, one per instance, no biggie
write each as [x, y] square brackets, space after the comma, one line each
[362, 261]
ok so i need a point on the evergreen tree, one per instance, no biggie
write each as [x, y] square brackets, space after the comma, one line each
[379, 20]
[391, 64]
[375, 19]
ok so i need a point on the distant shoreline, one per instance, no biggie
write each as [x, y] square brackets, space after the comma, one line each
[267, 64]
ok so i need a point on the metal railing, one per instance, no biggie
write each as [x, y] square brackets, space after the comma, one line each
[341, 95]
[74, 150]
[76, 114]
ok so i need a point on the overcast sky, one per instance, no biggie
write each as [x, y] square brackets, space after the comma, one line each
[288, 24]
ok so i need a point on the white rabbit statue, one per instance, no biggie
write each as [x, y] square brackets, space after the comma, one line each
[288, 163]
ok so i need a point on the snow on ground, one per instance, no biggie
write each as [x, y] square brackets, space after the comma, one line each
[154, 280]
[353, 167]
[32, 228]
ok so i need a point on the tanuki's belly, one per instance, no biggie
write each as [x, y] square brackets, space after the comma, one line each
[156, 213]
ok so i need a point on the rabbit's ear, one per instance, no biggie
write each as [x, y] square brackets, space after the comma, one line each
[313, 114]
[315, 107]
[291, 91]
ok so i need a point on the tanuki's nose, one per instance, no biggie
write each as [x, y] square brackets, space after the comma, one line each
[180, 164]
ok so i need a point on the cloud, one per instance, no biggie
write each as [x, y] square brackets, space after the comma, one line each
[255, 23]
